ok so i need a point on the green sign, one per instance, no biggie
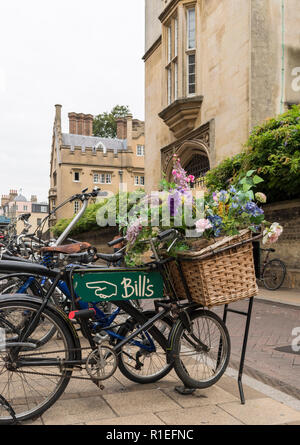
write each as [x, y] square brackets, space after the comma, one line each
[109, 285]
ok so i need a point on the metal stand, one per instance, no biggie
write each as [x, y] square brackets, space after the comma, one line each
[246, 333]
[187, 391]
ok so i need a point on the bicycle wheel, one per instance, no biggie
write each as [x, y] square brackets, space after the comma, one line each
[274, 274]
[13, 285]
[201, 356]
[30, 390]
[141, 365]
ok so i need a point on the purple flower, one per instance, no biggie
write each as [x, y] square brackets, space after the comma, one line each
[174, 202]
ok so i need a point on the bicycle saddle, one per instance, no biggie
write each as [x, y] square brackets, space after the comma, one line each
[67, 249]
[109, 257]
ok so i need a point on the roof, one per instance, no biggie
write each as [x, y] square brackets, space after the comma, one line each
[77, 140]
[20, 198]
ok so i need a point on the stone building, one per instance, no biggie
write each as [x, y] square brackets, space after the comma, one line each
[16, 204]
[79, 160]
[213, 70]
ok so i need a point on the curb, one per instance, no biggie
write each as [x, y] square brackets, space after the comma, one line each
[267, 380]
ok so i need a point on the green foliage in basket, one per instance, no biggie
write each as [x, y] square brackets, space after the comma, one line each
[223, 212]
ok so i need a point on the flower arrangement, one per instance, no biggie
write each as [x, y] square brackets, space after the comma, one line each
[216, 214]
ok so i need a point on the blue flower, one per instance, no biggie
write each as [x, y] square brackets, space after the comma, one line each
[252, 209]
[232, 189]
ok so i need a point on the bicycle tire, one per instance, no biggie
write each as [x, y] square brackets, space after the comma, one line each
[37, 291]
[206, 361]
[37, 391]
[273, 280]
[126, 359]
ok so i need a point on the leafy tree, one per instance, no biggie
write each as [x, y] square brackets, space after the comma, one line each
[273, 150]
[105, 124]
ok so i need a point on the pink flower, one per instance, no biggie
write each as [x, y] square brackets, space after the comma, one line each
[191, 178]
[261, 197]
[202, 225]
[272, 234]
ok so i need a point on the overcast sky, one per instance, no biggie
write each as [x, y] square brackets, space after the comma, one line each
[85, 55]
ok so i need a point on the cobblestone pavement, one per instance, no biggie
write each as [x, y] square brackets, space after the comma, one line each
[269, 356]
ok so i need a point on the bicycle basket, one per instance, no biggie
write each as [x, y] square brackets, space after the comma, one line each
[219, 274]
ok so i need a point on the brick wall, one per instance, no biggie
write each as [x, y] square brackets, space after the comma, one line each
[287, 213]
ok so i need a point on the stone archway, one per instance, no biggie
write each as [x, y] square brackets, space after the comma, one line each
[194, 158]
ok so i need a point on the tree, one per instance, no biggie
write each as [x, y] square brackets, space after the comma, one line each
[105, 124]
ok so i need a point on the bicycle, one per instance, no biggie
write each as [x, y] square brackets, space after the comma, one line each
[198, 345]
[272, 272]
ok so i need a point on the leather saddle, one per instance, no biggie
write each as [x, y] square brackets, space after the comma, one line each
[67, 249]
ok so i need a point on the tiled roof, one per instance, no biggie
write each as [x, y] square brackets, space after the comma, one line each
[76, 140]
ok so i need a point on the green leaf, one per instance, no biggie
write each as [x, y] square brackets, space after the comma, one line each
[250, 173]
[257, 180]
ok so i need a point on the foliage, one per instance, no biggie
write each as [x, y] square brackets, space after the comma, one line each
[223, 213]
[273, 150]
[119, 204]
[105, 124]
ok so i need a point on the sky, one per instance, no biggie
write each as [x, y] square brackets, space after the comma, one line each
[86, 56]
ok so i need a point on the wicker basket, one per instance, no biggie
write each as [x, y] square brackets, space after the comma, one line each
[219, 274]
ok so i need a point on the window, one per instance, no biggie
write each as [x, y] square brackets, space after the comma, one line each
[25, 208]
[102, 178]
[191, 51]
[76, 177]
[140, 150]
[191, 74]
[191, 28]
[76, 206]
[172, 62]
[53, 204]
[44, 209]
[139, 180]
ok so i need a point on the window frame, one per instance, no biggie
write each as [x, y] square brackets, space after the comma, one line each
[190, 52]
[142, 152]
[171, 66]
[74, 174]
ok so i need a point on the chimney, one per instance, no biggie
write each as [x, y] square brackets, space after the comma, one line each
[129, 130]
[4, 200]
[121, 128]
[58, 114]
[88, 124]
[12, 195]
[72, 123]
[80, 123]
[33, 198]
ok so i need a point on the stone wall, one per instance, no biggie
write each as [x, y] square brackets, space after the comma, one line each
[287, 213]
[99, 238]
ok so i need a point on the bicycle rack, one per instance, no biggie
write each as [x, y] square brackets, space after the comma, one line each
[187, 391]
[245, 341]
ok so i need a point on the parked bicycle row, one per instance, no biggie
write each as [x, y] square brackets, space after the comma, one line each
[46, 311]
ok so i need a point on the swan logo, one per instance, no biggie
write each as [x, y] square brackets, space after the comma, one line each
[104, 289]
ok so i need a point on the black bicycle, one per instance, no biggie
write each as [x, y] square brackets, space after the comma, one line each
[272, 272]
[177, 333]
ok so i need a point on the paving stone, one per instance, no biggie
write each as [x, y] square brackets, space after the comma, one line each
[201, 397]
[142, 419]
[206, 415]
[71, 411]
[140, 402]
[231, 385]
[263, 411]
